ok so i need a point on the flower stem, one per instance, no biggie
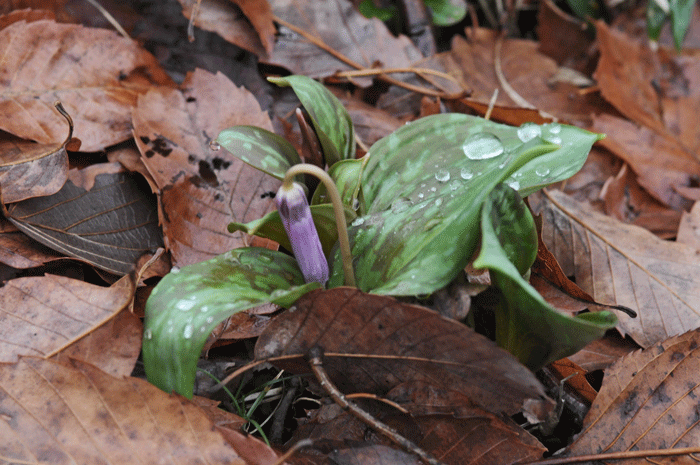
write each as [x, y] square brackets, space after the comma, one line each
[338, 210]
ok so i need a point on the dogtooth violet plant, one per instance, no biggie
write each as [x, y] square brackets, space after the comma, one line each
[419, 204]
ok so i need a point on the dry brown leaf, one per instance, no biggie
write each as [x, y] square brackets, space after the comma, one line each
[659, 90]
[621, 264]
[647, 401]
[563, 37]
[43, 315]
[25, 14]
[527, 71]
[689, 228]
[229, 22]
[113, 347]
[80, 415]
[86, 69]
[382, 343]
[626, 200]
[259, 14]
[340, 26]
[201, 190]
[20, 251]
[600, 354]
[661, 165]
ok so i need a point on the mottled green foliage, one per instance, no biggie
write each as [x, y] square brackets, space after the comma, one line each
[526, 325]
[260, 148]
[186, 306]
[679, 13]
[447, 12]
[424, 186]
[347, 175]
[329, 117]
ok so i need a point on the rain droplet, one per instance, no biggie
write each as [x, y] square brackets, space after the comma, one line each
[420, 195]
[442, 175]
[554, 128]
[148, 334]
[215, 146]
[433, 189]
[482, 146]
[438, 202]
[175, 269]
[542, 171]
[188, 331]
[264, 259]
[400, 205]
[358, 222]
[466, 174]
[515, 185]
[529, 131]
[553, 139]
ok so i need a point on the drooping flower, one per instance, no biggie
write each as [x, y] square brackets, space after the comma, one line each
[299, 225]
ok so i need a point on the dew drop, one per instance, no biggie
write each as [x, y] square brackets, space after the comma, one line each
[148, 334]
[442, 175]
[542, 172]
[553, 139]
[482, 146]
[358, 222]
[264, 259]
[420, 195]
[433, 189]
[175, 269]
[215, 146]
[515, 185]
[529, 131]
[400, 205]
[438, 202]
[454, 185]
[554, 128]
[188, 331]
[465, 174]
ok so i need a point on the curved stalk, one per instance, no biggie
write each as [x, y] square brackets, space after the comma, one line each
[338, 210]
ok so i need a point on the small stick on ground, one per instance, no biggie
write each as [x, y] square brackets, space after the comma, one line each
[316, 362]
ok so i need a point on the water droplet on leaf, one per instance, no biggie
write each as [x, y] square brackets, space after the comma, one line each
[215, 146]
[442, 175]
[542, 171]
[188, 331]
[515, 185]
[148, 334]
[438, 202]
[466, 174]
[454, 185]
[529, 131]
[482, 146]
[358, 222]
[400, 205]
[554, 128]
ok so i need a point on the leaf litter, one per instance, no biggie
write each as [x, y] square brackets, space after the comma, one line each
[116, 91]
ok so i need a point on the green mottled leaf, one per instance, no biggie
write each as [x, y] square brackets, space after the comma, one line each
[423, 195]
[330, 118]
[656, 18]
[514, 227]
[270, 226]
[260, 149]
[188, 304]
[447, 12]
[347, 175]
[526, 325]
[681, 13]
[370, 10]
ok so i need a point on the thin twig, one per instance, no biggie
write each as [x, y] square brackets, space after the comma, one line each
[492, 103]
[316, 363]
[297, 445]
[339, 56]
[193, 19]
[109, 18]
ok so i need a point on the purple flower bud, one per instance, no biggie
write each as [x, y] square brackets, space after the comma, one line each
[296, 218]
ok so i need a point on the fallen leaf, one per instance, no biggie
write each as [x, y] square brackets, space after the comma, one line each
[26, 14]
[80, 415]
[620, 264]
[43, 315]
[600, 354]
[661, 165]
[86, 69]
[110, 225]
[379, 342]
[657, 89]
[228, 21]
[563, 37]
[647, 401]
[113, 347]
[259, 14]
[201, 190]
[340, 26]
[626, 200]
[689, 228]
[21, 251]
